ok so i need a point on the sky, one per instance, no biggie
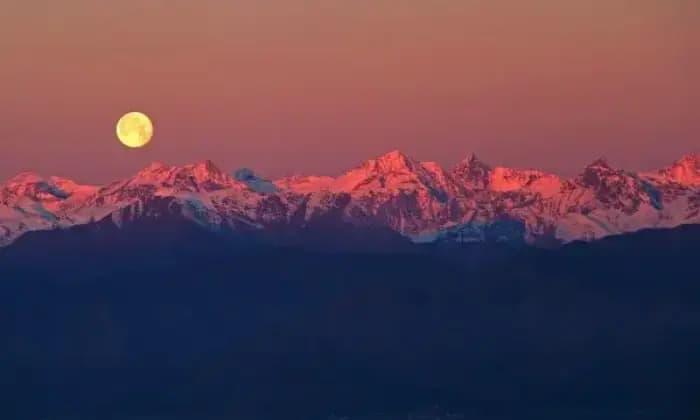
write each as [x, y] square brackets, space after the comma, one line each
[318, 86]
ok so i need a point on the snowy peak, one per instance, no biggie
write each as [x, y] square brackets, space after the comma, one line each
[163, 180]
[202, 176]
[439, 175]
[392, 171]
[24, 178]
[387, 176]
[155, 167]
[155, 173]
[476, 175]
[685, 171]
[508, 179]
[473, 173]
[599, 173]
[473, 163]
[600, 164]
[691, 160]
[32, 186]
[206, 170]
[394, 161]
[207, 176]
[617, 189]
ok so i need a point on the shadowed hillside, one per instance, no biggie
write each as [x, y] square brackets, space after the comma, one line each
[183, 322]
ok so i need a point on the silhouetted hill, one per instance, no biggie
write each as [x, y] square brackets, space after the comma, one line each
[182, 322]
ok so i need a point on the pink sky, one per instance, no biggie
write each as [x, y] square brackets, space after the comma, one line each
[318, 86]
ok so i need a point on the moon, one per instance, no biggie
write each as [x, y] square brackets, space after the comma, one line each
[134, 129]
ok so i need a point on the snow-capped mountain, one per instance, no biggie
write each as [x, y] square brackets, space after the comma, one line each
[420, 200]
[685, 172]
[473, 173]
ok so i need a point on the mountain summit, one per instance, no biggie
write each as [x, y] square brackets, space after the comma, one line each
[202, 176]
[473, 172]
[685, 171]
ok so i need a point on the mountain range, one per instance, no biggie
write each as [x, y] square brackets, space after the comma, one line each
[422, 201]
[160, 295]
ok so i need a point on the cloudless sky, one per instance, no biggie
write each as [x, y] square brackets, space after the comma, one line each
[317, 86]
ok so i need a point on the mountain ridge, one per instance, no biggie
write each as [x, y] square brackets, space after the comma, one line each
[420, 200]
[187, 323]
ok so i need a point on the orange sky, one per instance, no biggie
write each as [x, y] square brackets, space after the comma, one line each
[317, 86]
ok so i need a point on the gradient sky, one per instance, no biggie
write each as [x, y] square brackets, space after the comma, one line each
[317, 86]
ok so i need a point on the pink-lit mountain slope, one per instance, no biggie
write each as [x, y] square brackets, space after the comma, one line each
[420, 200]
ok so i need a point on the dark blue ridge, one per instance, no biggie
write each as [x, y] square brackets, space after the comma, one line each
[169, 320]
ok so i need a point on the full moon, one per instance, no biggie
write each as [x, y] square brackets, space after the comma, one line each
[134, 129]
